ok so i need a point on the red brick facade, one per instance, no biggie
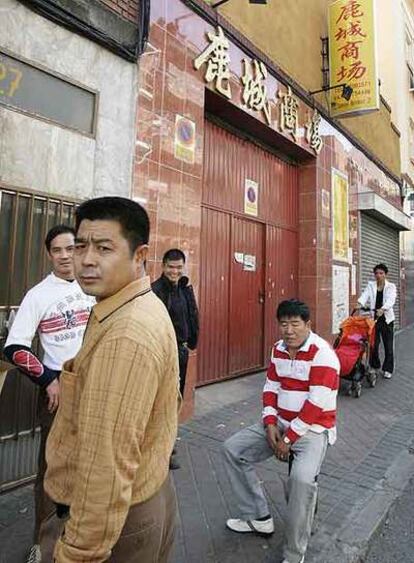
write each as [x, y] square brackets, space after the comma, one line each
[128, 9]
[172, 189]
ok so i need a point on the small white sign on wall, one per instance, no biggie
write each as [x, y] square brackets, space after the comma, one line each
[353, 279]
[249, 264]
[340, 296]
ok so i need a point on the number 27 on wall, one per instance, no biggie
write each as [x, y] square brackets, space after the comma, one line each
[9, 72]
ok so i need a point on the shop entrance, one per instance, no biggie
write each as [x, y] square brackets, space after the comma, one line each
[249, 257]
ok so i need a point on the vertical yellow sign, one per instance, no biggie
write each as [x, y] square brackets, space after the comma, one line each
[352, 56]
[340, 216]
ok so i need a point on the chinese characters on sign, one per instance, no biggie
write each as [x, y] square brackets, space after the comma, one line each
[217, 58]
[288, 113]
[254, 92]
[313, 135]
[352, 56]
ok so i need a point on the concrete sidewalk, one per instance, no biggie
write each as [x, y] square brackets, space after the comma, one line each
[362, 476]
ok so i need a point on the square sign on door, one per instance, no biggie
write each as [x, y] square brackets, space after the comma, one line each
[251, 197]
[249, 263]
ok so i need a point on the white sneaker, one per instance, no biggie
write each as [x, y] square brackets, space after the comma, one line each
[261, 527]
[387, 375]
[301, 561]
[34, 555]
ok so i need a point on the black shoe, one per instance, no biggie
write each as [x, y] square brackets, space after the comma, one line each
[174, 463]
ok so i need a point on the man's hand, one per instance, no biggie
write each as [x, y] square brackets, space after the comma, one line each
[273, 436]
[380, 312]
[282, 450]
[52, 391]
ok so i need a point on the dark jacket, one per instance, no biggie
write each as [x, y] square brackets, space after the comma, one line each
[163, 288]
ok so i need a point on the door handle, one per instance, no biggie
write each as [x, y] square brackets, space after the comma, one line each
[261, 297]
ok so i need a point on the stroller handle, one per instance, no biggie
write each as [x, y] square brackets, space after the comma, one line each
[366, 309]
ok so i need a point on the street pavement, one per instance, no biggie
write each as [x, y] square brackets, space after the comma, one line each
[364, 474]
[395, 543]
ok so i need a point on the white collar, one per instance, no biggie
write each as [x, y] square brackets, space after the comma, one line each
[304, 348]
[57, 279]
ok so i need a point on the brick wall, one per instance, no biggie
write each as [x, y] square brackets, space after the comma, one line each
[127, 9]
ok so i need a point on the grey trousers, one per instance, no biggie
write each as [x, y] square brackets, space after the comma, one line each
[250, 446]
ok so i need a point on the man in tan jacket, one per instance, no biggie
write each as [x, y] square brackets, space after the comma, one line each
[110, 445]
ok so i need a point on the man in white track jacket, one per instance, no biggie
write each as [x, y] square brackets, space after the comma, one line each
[57, 310]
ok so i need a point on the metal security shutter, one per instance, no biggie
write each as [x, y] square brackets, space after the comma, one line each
[380, 243]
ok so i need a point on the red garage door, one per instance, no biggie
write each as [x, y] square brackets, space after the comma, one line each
[248, 263]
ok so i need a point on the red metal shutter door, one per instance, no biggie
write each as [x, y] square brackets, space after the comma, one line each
[214, 296]
[247, 296]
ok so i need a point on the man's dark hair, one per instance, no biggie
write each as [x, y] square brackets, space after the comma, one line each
[173, 254]
[55, 232]
[131, 216]
[293, 308]
[382, 267]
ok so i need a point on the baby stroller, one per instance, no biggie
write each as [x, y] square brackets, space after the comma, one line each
[352, 346]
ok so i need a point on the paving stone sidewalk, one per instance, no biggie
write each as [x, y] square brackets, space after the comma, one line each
[360, 479]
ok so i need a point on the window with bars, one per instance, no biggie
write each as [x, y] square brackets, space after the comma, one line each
[24, 221]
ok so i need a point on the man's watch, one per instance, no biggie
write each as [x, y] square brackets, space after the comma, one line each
[286, 440]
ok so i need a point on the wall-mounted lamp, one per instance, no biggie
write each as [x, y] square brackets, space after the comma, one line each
[347, 91]
[220, 2]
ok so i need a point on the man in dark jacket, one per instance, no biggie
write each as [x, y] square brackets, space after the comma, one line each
[178, 296]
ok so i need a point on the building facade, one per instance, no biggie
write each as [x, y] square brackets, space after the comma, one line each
[398, 87]
[268, 196]
[68, 72]
[212, 127]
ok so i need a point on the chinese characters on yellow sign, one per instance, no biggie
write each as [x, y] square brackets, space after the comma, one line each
[352, 56]
[254, 95]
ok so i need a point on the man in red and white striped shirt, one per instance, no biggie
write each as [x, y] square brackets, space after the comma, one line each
[299, 421]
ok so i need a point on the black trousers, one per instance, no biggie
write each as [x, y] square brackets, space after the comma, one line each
[182, 362]
[384, 332]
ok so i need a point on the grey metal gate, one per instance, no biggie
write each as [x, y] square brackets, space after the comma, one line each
[25, 219]
[380, 243]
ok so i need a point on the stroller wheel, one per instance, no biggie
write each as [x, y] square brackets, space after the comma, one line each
[372, 379]
[357, 390]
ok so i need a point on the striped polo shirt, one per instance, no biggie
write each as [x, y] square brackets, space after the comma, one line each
[300, 393]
